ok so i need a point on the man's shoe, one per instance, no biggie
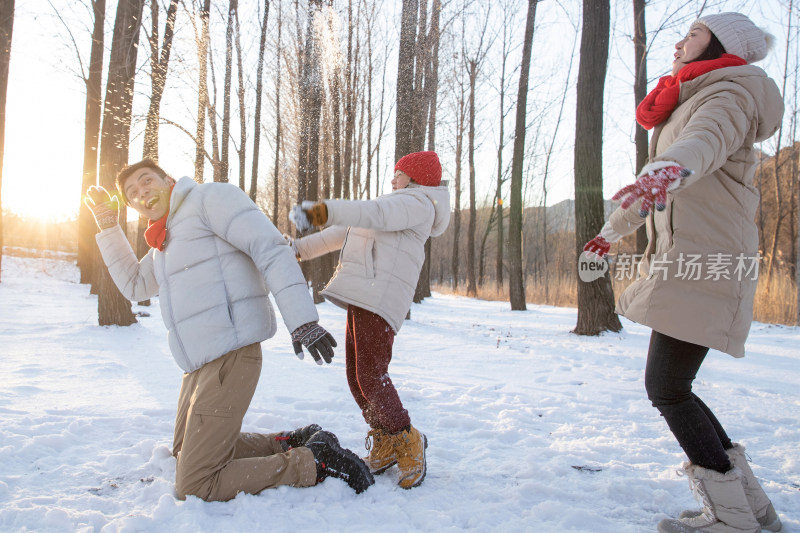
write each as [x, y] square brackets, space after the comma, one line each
[297, 437]
[334, 461]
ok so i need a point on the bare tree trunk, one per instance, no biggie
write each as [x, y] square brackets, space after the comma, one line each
[639, 93]
[360, 147]
[328, 262]
[336, 104]
[482, 254]
[472, 66]
[405, 80]
[6, 31]
[516, 286]
[432, 79]
[456, 260]
[159, 64]
[797, 253]
[778, 208]
[796, 193]
[472, 289]
[793, 183]
[259, 85]
[430, 92]
[426, 88]
[421, 64]
[348, 78]
[382, 129]
[311, 105]
[596, 298]
[404, 114]
[357, 129]
[211, 110]
[762, 238]
[370, 29]
[202, 93]
[113, 308]
[242, 152]
[88, 254]
[498, 195]
[276, 173]
[222, 170]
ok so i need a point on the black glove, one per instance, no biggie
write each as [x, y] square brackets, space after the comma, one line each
[317, 341]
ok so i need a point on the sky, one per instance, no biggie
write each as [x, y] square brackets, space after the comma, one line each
[43, 158]
[530, 428]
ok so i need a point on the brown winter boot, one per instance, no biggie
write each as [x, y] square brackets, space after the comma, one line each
[759, 502]
[381, 452]
[725, 506]
[409, 448]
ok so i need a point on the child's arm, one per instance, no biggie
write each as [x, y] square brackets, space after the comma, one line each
[394, 212]
[328, 240]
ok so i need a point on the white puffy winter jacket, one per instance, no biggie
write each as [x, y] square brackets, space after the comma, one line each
[382, 244]
[220, 259]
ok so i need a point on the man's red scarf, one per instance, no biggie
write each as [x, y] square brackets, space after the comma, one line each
[659, 104]
[156, 232]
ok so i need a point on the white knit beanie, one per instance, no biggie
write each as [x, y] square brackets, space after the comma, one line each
[738, 35]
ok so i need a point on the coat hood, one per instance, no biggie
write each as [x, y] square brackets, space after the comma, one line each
[182, 188]
[755, 81]
[440, 197]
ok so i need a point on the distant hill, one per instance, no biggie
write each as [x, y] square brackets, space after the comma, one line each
[561, 216]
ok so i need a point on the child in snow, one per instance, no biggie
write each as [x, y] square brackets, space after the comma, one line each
[707, 116]
[213, 257]
[382, 250]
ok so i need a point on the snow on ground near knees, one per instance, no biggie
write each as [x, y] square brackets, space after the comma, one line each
[530, 427]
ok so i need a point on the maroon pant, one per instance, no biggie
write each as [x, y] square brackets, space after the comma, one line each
[368, 352]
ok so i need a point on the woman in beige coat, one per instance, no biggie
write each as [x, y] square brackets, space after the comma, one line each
[700, 266]
[382, 250]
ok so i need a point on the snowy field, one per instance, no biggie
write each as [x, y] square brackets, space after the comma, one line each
[531, 428]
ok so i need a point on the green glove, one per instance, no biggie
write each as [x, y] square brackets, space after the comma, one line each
[105, 208]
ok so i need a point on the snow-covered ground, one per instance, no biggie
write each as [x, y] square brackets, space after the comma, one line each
[531, 428]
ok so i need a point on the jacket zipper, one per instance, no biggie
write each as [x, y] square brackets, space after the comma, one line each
[346, 236]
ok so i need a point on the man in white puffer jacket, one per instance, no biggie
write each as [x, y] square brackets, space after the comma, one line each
[382, 250]
[215, 257]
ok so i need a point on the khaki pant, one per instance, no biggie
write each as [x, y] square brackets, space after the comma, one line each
[215, 461]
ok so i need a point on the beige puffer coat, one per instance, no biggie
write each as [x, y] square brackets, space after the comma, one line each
[382, 248]
[710, 218]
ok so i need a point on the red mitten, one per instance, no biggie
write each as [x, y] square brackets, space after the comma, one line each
[597, 246]
[651, 186]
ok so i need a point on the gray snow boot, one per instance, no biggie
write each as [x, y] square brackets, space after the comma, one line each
[759, 502]
[725, 506]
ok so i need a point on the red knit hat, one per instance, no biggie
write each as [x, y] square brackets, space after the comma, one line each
[422, 167]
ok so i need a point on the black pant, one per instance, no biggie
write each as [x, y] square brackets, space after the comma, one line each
[672, 365]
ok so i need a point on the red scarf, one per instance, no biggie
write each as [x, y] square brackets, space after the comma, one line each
[659, 104]
[156, 232]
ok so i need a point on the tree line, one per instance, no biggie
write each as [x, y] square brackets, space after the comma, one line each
[298, 99]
